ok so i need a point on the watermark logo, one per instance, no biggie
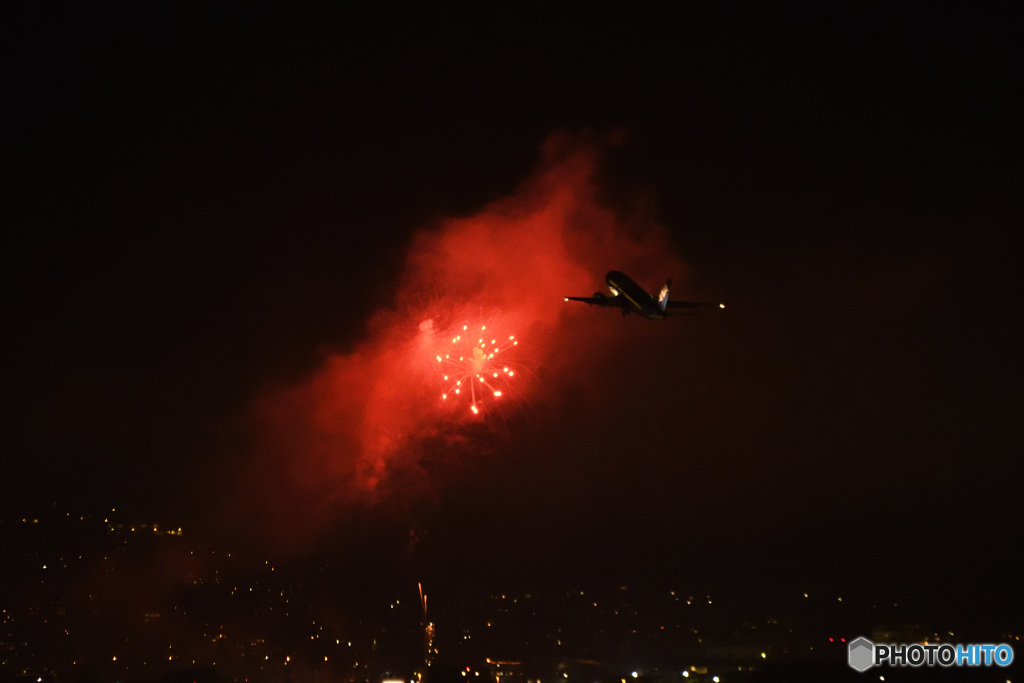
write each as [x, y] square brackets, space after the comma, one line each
[862, 654]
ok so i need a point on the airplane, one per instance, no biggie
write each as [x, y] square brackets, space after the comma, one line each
[631, 298]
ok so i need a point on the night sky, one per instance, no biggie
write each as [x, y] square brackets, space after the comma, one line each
[236, 237]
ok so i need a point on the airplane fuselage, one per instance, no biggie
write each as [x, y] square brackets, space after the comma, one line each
[629, 297]
[634, 298]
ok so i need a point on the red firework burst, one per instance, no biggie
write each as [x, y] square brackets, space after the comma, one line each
[474, 365]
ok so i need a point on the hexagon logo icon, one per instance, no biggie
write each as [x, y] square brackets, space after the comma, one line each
[861, 654]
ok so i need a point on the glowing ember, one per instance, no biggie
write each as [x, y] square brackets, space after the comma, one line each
[472, 364]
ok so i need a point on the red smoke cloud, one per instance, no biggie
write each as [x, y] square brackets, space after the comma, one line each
[361, 424]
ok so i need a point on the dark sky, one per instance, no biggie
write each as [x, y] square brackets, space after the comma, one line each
[209, 212]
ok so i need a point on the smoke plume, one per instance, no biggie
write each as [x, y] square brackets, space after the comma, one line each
[359, 431]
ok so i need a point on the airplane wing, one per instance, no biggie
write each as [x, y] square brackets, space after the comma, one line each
[597, 300]
[670, 307]
[687, 307]
[690, 304]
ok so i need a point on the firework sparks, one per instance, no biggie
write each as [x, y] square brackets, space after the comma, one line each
[473, 365]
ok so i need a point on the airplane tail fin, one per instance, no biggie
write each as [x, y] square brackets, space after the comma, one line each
[663, 295]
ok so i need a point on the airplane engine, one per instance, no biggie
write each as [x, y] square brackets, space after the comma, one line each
[598, 295]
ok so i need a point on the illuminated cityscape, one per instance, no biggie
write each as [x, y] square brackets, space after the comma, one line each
[106, 598]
